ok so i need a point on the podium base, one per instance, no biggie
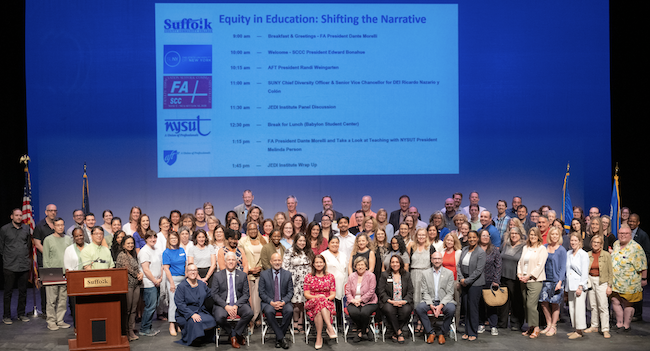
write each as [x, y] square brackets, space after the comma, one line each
[122, 346]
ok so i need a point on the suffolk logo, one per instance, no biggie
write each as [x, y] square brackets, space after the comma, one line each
[185, 127]
[187, 92]
[188, 25]
[170, 156]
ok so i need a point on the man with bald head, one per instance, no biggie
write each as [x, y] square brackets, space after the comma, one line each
[437, 297]
[276, 291]
[366, 203]
[43, 229]
[450, 212]
[512, 211]
[413, 211]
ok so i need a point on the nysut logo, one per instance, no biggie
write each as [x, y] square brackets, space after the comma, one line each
[186, 127]
[170, 156]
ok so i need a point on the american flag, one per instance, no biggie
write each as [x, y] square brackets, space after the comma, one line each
[28, 219]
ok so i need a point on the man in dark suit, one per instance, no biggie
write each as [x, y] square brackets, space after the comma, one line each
[397, 216]
[230, 295]
[327, 205]
[276, 291]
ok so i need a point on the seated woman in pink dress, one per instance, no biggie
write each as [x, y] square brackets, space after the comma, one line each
[320, 291]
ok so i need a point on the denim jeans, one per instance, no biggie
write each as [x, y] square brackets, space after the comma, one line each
[150, 298]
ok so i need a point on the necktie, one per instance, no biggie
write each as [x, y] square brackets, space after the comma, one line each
[232, 289]
[276, 297]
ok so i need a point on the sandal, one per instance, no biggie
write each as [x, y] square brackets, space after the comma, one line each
[551, 331]
[534, 334]
[400, 339]
[465, 337]
[471, 338]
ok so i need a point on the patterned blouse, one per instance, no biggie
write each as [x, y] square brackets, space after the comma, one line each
[627, 264]
[125, 260]
[492, 270]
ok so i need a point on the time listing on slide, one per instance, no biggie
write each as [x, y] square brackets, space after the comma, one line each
[306, 89]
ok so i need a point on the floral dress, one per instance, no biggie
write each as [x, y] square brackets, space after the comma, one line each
[627, 262]
[299, 265]
[320, 285]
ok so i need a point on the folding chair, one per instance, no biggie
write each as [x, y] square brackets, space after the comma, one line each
[346, 323]
[233, 320]
[265, 326]
[452, 327]
[308, 326]
[409, 324]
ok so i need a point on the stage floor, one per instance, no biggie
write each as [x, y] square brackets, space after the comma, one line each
[34, 335]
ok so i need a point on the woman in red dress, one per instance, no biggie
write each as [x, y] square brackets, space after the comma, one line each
[320, 291]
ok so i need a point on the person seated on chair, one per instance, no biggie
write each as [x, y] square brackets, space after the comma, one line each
[320, 292]
[362, 300]
[191, 314]
[230, 295]
[437, 296]
[395, 290]
[276, 291]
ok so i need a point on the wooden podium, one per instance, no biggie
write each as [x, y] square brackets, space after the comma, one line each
[98, 312]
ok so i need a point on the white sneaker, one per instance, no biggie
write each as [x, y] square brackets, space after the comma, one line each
[494, 332]
[481, 329]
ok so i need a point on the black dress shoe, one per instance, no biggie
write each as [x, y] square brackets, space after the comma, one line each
[278, 344]
[285, 344]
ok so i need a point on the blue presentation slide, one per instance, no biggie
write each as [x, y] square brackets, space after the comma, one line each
[306, 89]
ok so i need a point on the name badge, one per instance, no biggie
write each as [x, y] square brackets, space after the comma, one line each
[389, 280]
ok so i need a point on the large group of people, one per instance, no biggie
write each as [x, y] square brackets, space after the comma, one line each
[197, 273]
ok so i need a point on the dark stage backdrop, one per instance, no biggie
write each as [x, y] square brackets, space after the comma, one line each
[533, 93]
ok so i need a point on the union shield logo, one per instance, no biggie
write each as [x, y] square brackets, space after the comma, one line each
[170, 156]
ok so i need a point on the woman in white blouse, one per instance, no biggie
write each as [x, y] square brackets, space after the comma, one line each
[202, 255]
[337, 265]
[577, 275]
[531, 273]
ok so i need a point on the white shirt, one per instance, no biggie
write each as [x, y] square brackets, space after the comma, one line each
[147, 254]
[436, 282]
[577, 270]
[161, 242]
[346, 244]
[71, 259]
[228, 277]
[127, 229]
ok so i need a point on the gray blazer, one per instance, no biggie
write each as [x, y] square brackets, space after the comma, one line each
[241, 215]
[476, 267]
[445, 286]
